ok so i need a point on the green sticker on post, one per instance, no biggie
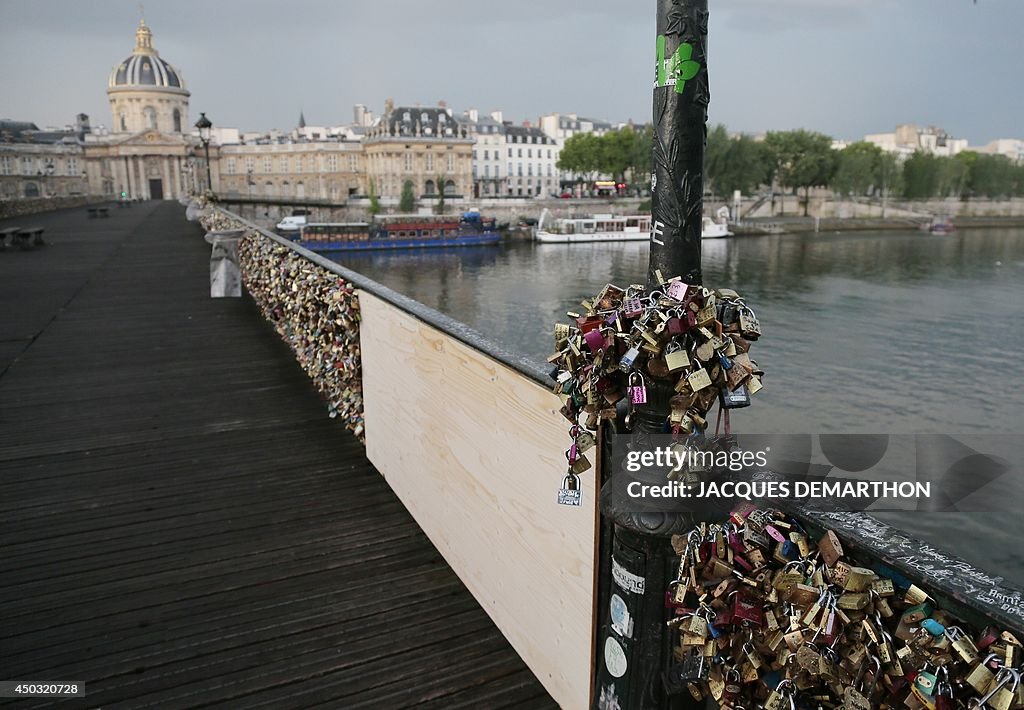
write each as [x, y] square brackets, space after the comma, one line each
[676, 69]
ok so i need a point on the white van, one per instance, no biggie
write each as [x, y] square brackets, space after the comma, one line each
[292, 224]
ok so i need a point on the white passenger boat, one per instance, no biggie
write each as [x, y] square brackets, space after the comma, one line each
[611, 228]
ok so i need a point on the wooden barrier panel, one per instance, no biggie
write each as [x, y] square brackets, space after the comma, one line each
[474, 451]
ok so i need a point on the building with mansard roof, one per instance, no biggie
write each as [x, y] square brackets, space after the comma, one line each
[427, 146]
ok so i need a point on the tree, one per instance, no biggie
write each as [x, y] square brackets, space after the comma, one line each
[920, 176]
[858, 169]
[734, 163]
[581, 154]
[802, 159]
[407, 202]
[374, 208]
[440, 207]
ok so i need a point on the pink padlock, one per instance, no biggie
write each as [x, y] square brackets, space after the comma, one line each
[637, 389]
[676, 290]
[594, 340]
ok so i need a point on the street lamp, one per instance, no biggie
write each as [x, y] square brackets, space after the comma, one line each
[204, 125]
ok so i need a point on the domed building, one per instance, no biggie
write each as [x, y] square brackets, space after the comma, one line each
[146, 92]
[149, 153]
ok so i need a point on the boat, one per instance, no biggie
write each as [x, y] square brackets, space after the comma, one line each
[611, 228]
[939, 225]
[399, 232]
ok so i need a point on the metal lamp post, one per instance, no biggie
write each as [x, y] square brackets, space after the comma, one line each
[632, 660]
[204, 125]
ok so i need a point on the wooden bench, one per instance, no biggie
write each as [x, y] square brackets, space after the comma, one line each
[7, 235]
[29, 238]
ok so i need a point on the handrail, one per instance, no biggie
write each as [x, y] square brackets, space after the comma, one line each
[459, 331]
[957, 584]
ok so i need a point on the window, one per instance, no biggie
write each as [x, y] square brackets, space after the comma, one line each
[332, 163]
[451, 162]
[353, 163]
[250, 164]
[124, 122]
[177, 121]
[150, 113]
[449, 188]
[529, 152]
[429, 164]
[72, 166]
[407, 161]
[268, 165]
[487, 171]
[5, 165]
[31, 189]
[529, 170]
[428, 187]
[549, 169]
[487, 155]
[510, 152]
[232, 167]
[27, 165]
[520, 171]
[282, 164]
[549, 153]
[520, 153]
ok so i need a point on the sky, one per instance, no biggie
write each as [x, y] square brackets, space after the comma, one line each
[841, 67]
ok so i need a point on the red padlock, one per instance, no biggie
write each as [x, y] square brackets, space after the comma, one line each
[747, 610]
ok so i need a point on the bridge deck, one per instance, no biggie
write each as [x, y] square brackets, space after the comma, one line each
[180, 523]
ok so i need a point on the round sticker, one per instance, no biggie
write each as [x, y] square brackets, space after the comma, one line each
[614, 658]
[621, 621]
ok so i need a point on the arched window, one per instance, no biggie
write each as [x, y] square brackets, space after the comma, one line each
[31, 189]
[429, 188]
[150, 113]
[124, 123]
[177, 121]
[449, 187]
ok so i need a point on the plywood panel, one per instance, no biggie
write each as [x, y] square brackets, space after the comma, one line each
[474, 451]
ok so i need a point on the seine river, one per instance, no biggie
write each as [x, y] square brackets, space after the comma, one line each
[864, 332]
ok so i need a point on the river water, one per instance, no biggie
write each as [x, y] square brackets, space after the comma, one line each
[864, 332]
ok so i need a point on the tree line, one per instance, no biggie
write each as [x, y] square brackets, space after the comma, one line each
[800, 159]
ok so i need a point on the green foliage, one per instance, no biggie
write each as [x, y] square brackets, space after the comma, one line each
[407, 202]
[995, 176]
[739, 163]
[617, 153]
[802, 159]
[858, 170]
[440, 207]
[374, 208]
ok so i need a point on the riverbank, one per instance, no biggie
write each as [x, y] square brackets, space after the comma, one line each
[755, 227]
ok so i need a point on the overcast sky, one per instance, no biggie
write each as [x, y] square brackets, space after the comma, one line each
[843, 67]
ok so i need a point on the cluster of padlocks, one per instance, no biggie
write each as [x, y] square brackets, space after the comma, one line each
[695, 338]
[767, 616]
[317, 314]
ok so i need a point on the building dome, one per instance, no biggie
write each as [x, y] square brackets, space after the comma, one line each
[144, 68]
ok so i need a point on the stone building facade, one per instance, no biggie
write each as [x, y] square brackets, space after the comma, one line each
[425, 145]
[328, 170]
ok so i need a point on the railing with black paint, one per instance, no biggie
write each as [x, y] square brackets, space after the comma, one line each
[468, 435]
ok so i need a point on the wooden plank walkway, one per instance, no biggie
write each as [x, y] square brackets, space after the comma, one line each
[180, 523]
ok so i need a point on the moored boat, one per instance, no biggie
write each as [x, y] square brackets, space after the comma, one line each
[400, 232]
[611, 228]
[939, 225]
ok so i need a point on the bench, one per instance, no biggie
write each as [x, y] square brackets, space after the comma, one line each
[7, 235]
[99, 212]
[29, 238]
